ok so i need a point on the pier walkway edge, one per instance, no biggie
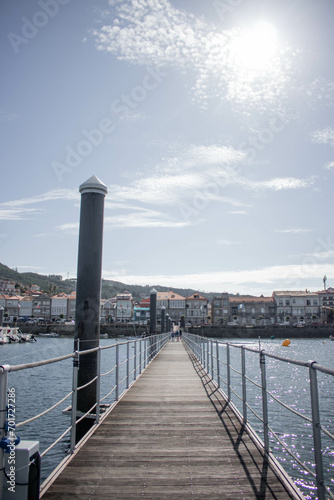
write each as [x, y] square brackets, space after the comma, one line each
[172, 435]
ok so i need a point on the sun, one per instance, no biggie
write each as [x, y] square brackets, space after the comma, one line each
[254, 50]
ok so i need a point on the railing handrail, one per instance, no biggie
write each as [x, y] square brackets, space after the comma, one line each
[315, 365]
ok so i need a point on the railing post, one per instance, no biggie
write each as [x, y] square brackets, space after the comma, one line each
[244, 394]
[264, 401]
[145, 352]
[140, 349]
[211, 342]
[316, 432]
[117, 371]
[98, 386]
[207, 356]
[127, 364]
[202, 351]
[135, 362]
[218, 367]
[3, 416]
[74, 397]
[228, 371]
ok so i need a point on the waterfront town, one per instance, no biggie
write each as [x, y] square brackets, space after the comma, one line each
[289, 307]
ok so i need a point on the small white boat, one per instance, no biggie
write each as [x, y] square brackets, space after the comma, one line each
[3, 336]
[51, 334]
[28, 337]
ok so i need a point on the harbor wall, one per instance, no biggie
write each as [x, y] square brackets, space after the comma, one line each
[280, 332]
[228, 332]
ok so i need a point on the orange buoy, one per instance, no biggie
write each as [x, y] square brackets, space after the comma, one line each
[286, 343]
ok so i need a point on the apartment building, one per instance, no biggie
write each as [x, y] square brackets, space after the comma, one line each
[41, 307]
[220, 309]
[196, 309]
[59, 306]
[124, 306]
[11, 306]
[327, 305]
[173, 302]
[108, 310]
[252, 311]
[7, 287]
[297, 306]
[26, 307]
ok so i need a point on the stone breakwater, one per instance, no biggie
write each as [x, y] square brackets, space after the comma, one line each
[229, 332]
[68, 330]
[280, 332]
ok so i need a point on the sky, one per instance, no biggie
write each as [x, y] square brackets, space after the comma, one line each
[210, 122]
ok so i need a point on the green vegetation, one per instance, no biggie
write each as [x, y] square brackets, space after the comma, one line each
[55, 284]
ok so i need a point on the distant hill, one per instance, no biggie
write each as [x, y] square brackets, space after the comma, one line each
[44, 282]
[109, 287]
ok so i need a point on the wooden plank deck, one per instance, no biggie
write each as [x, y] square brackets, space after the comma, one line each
[170, 437]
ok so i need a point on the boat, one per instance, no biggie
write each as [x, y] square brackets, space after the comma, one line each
[3, 336]
[331, 337]
[51, 334]
[14, 335]
[28, 337]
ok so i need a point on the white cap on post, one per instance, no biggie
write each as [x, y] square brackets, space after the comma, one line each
[93, 185]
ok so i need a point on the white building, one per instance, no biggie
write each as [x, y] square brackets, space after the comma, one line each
[196, 309]
[108, 310]
[59, 305]
[26, 307]
[124, 306]
[297, 306]
[11, 306]
[71, 305]
[7, 286]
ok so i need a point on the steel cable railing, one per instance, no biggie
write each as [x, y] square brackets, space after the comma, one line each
[138, 362]
[212, 363]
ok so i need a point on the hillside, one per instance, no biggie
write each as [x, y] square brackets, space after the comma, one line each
[109, 287]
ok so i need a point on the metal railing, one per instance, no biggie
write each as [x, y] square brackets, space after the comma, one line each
[215, 357]
[130, 360]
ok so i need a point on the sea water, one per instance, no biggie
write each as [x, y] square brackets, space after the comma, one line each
[290, 384]
[39, 388]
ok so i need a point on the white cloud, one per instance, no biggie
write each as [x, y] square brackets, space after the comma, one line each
[145, 218]
[324, 136]
[238, 212]
[15, 214]
[329, 166]
[293, 230]
[280, 183]
[221, 241]
[57, 194]
[141, 218]
[256, 281]
[153, 32]
[69, 228]
[198, 171]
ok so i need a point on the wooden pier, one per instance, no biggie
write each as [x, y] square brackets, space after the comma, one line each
[171, 436]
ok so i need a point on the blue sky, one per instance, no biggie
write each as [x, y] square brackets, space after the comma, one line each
[211, 123]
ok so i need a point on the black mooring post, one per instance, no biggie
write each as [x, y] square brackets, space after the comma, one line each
[153, 318]
[87, 316]
[163, 319]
